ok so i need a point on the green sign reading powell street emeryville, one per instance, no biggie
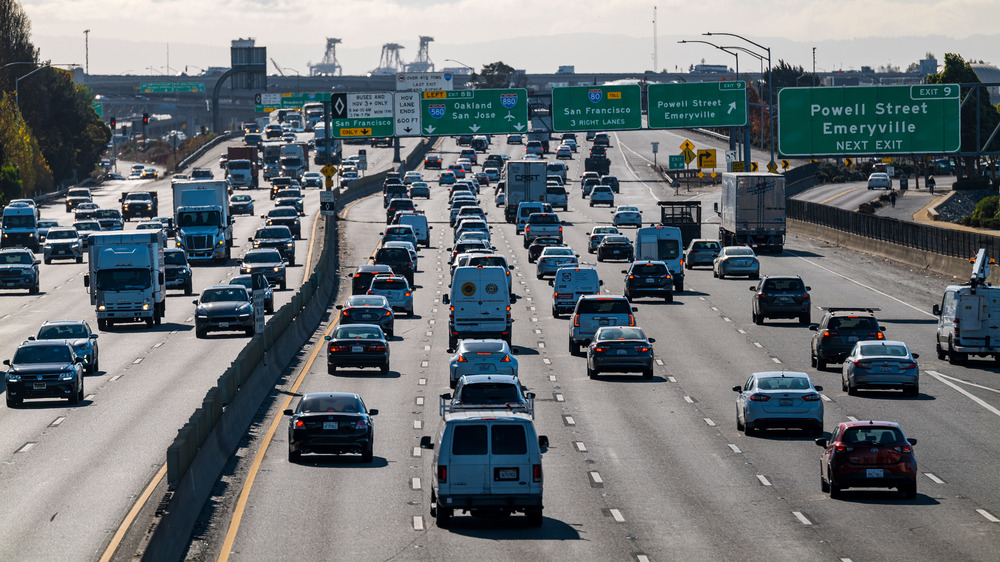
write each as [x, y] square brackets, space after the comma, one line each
[869, 120]
[697, 104]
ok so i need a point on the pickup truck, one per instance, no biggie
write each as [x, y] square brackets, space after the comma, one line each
[139, 204]
[542, 224]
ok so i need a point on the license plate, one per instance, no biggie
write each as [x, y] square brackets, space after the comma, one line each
[785, 402]
[852, 338]
[357, 348]
[330, 425]
[368, 316]
[650, 280]
[507, 473]
[39, 386]
[223, 324]
[874, 473]
[603, 322]
[484, 367]
[622, 352]
[784, 300]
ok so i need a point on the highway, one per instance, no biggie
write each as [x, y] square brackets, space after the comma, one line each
[70, 474]
[637, 470]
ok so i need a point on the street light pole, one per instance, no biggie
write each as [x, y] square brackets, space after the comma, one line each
[770, 83]
[732, 141]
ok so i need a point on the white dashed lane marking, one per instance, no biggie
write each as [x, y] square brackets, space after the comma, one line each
[989, 516]
[417, 424]
[58, 421]
[415, 483]
[763, 480]
[418, 523]
[709, 422]
[689, 400]
[580, 446]
[734, 448]
[26, 447]
[933, 478]
[416, 451]
[617, 515]
[802, 518]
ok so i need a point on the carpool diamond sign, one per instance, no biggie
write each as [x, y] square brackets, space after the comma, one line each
[597, 108]
[474, 112]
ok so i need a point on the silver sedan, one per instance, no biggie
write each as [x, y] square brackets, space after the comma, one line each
[736, 260]
[779, 399]
[881, 364]
[482, 357]
[554, 257]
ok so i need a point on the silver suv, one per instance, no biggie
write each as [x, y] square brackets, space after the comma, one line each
[596, 311]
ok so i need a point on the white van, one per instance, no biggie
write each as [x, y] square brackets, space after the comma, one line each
[420, 227]
[556, 169]
[487, 463]
[479, 304]
[976, 310]
[571, 283]
[662, 243]
[524, 210]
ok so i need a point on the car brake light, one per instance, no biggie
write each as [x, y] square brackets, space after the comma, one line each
[345, 313]
[631, 320]
[462, 359]
[600, 349]
[879, 336]
[904, 449]
[300, 423]
[338, 348]
[642, 349]
[908, 365]
[862, 364]
[361, 424]
[759, 397]
[826, 333]
[576, 320]
[506, 358]
[811, 397]
[451, 309]
[442, 473]
[376, 347]
[407, 294]
[841, 448]
[536, 472]
[631, 276]
[805, 297]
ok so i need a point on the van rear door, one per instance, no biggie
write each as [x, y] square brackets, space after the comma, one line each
[480, 298]
[468, 468]
[510, 463]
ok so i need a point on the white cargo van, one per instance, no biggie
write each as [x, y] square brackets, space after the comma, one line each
[487, 463]
[479, 304]
[969, 317]
[662, 243]
[420, 227]
[571, 283]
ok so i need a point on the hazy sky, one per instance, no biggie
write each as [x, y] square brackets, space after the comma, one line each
[133, 35]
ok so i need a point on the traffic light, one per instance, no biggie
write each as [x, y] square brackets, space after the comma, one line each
[145, 119]
[112, 124]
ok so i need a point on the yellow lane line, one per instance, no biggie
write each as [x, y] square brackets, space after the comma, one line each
[132, 514]
[842, 193]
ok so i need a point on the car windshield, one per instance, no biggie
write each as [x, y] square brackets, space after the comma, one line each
[388, 285]
[273, 232]
[557, 252]
[783, 285]
[229, 294]
[487, 261]
[739, 252]
[604, 306]
[628, 209]
[705, 246]
[283, 212]
[621, 334]
[649, 269]
[392, 254]
[884, 350]
[126, 279]
[262, 257]
[289, 193]
[344, 404]
[356, 332]
[399, 231]
[61, 235]
[174, 258]
[107, 214]
[87, 226]
[243, 281]
[149, 226]
[198, 218]
[18, 221]
[853, 323]
[543, 219]
[362, 300]
[615, 240]
[43, 354]
[62, 332]
[15, 258]
[489, 393]
[240, 198]
[872, 435]
[605, 230]
[783, 383]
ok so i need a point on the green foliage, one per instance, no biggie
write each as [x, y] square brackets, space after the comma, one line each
[493, 75]
[836, 173]
[958, 71]
[21, 149]
[10, 183]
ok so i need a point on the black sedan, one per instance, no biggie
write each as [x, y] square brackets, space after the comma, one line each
[223, 308]
[284, 216]
[266, 261]
[241, 204]
[367, 309]
[357, 346]
[278, 237]
[620, 349]
[615, 247]
[331, 423]
[44, 369]
[539, 244]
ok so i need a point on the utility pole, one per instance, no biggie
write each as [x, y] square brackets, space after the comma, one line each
[86, 52]
[814, 61]
[655, 63]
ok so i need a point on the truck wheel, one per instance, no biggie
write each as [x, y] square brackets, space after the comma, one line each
[679, 287]
[79, 259]
[283, 284]
[48, 260]
[443, 518]
[200, 332]
[13, 402]
[291, 261]
[150, 321]
[820, 364]
[189, 288]
[535, 519]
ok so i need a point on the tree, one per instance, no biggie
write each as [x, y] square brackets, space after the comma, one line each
[20, 149]
[15, 43]
[493, 75]
[976, 129]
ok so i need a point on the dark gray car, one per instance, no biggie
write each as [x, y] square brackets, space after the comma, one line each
[44, 369]
[223, 308]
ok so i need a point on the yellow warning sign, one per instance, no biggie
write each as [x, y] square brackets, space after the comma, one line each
[688, 155]
[329, 170]
[356, 132]
[686, 145]
[614, 95]
[435, 95]
[738, 166]
[468, 288]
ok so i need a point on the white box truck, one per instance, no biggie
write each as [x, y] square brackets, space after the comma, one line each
[752, 211]
[201, 217]
[525, 181]
[126, 278]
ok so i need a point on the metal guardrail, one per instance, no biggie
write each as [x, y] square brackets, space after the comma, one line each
[934, 239]
[223, 137]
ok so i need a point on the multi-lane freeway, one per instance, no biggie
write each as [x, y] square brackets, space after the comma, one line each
[640, 470]
[636, 470]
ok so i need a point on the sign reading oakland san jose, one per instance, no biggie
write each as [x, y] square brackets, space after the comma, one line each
[869, 120]
[597, 108]
[474, 112]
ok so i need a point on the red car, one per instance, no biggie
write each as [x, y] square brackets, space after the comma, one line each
[432, 161]
[868, 454]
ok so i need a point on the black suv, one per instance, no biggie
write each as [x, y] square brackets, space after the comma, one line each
[44, 369]
[278, 237]
[647, 278]
[177, 271]
[398, 259]
[780, 296]
[361, 279]
[839, 330]
[615, 247]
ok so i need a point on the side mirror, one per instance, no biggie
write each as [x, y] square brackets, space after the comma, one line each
[752, 288]
[915, 355]
[250, 239]
[373, 412]
[445, 299]
[425, 442]
[288, 412]
[31, 338]
[340, 307]
[86, 280]
[715, 207]
[195, 301]
[936, 310]
[814, 327]
[600, 283]
[881, 328]
[808, 288]
[737, 389]
[821, 442]
[911, 440]
[651, 340]
[515, 350]
[543, 442]
[510, 267]
[530, 395]
[819, 388]
[624, 271]
[446, 396]
[635, 309]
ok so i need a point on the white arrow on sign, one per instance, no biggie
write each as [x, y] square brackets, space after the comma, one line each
[429, 129]
[518, 127]
[732, 107]
[474, 128]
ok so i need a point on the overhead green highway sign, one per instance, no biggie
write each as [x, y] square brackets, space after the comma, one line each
[266, 103]
[697, 104]
[171, 87]
[597, 108]
[368, 114]
[869, 120]
[474, 112]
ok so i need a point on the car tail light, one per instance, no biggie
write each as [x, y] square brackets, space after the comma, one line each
[908, 365]
[642, 349]
[761, 296]
[904, 448]
[336, 348]
[862, 364]
[300, 423]
[879, 336]
[811, 397]
[387, 313]
[958, 331]
[631, 276]
[462, 359]
[576, 320]
[805, 297]
[506, 358]
[345, 313]
[451, 309]
[376, 347]
[827, 333]
[759, 397]
[600, 349]
[536, 472]
[560, 229]
[631, 320]
[840, 447]
[442, 473]
[407, 294]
